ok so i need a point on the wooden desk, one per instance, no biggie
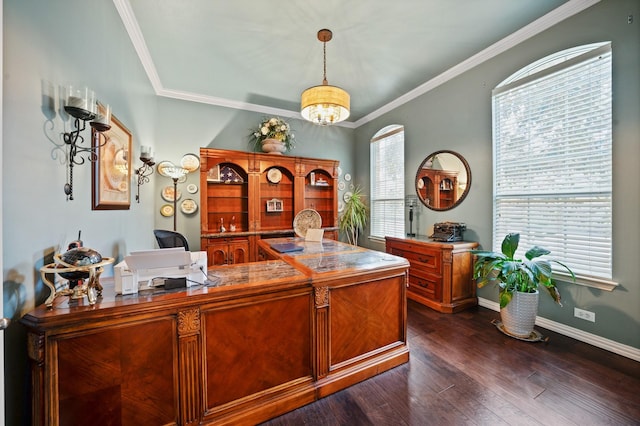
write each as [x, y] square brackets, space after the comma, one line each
[271, 336]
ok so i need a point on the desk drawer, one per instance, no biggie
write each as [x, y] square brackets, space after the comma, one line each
[424, 284]
[421, 257]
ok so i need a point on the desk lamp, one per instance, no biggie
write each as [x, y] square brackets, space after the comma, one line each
[411, 201]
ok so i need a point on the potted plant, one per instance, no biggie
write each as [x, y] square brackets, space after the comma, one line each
[354, 217]
[518, 282]
[273, 135]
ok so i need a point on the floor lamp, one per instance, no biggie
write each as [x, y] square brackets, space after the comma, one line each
[175, 173]
[411, 201]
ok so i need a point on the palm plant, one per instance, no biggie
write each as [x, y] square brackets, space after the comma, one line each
[354, 217]
[513, 275]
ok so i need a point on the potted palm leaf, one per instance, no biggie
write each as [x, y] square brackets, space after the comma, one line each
[354, 216]
[518, 281]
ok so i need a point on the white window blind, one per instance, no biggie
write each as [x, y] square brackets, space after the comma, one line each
[387, 182]
[552, 159]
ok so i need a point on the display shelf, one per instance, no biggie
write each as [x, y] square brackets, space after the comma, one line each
[281, 182]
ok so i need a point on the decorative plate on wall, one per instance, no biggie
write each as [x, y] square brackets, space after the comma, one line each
[162, 166]
[189, 206]
[192, 188]
[190, 162]
[166, 210]
[167, 193]
[347, 177]
[347, 196]
[341, 186]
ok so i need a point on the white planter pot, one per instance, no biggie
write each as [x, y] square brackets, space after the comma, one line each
[519, 316]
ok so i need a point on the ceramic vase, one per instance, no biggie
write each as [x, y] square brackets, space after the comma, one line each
[273, 146]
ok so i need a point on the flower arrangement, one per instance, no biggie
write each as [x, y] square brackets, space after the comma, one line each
[273, 128]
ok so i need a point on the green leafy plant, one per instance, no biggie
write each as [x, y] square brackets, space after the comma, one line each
[512, 274]
[273, 128]
[354, 217]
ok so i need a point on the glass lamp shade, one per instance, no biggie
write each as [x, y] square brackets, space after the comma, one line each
[325, 104]
[80, 102]
[175, 172]
[102, 120]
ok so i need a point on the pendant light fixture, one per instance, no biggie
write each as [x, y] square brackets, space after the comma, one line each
[325, 104]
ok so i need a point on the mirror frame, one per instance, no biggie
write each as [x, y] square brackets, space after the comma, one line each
[461, 197]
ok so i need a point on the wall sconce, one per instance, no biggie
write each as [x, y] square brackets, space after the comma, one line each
[411, 201]
[80, 103]
[146, 170]
[175, 173]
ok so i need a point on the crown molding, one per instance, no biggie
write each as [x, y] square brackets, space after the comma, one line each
[541, 24]
[557, 15]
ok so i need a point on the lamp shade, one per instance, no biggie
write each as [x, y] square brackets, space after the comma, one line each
[325, 104]
[175, 172]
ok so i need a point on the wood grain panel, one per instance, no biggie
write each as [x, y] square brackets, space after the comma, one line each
[110, 377]
[190, 380]
[365, 317]
[251, 348]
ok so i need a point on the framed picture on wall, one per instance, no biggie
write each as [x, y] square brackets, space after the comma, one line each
[111, 172]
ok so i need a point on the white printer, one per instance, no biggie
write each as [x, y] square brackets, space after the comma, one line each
[141, 269]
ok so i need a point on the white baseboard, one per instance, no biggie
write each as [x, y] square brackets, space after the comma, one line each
[574, 333]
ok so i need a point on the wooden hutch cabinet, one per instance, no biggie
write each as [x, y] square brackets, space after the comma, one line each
[440, 274]
[248, 196]
[226, 251]
[439, 188]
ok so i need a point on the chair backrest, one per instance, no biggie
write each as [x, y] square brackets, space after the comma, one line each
[170, 239]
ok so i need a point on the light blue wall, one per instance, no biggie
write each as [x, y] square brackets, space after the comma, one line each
[184, 127]
[457, 116]
[84, 42]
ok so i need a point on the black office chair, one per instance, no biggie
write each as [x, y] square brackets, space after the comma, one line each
[169, 239]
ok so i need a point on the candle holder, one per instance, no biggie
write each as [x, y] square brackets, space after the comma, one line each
[80, 103]
[144, 171]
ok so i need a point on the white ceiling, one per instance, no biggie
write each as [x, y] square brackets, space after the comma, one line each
[260, 55]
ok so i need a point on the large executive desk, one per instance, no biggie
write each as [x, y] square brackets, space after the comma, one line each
[269, 337]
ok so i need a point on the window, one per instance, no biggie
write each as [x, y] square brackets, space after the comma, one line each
[387, 182]
[552, 159]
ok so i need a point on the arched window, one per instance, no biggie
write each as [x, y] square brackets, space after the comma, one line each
[552, 158]
[387, 182]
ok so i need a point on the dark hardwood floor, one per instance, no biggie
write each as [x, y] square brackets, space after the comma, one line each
[463, 371]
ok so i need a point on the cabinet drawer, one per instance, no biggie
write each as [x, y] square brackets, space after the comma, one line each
[427, 285]
[421, 257]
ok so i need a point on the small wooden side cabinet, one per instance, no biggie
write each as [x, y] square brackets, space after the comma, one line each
[440, 275]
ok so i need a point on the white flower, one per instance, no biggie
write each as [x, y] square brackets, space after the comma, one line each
[273, 127]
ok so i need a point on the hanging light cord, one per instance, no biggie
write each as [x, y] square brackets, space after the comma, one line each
[324, 55]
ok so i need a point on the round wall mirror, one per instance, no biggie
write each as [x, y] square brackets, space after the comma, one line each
[443, 180]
